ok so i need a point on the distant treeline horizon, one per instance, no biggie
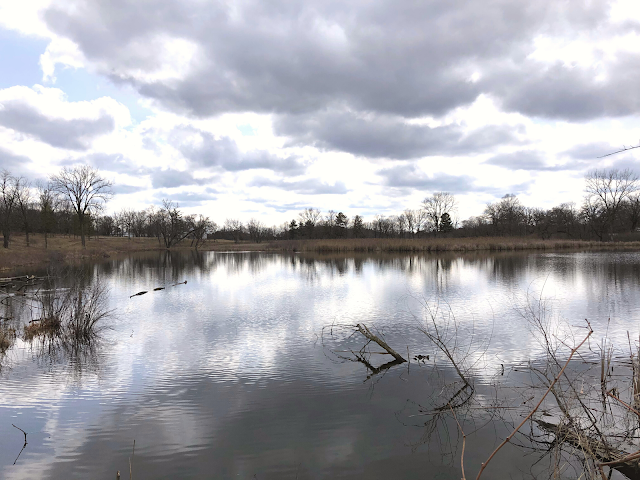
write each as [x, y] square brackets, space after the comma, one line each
[72, 201]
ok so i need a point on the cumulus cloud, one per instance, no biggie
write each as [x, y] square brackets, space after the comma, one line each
[402, 58]
[44, 114]
[187, 199]
[15, 164]
[175, 178]
[384, 136]
[204, 150]
[309, 186]
[532, 160]
[414, 177]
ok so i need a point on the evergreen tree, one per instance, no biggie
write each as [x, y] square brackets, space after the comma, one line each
[446, 225]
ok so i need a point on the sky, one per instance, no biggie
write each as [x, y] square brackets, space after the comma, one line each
[242, 109]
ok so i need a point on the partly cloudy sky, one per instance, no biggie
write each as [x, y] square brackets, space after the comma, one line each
[260, 109]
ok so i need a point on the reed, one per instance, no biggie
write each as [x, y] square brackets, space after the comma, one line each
[436, 245]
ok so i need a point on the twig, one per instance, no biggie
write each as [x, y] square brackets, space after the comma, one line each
[132, 454]
[23, 446]
[619, 151]
[464, 441]
[506, 440]
[623, 403]
[25, 433]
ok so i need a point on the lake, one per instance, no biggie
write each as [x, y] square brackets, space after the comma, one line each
[246, 371]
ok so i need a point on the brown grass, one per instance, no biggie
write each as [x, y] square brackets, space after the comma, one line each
[435, 245]
[67, 249]
[46, 327]
[7, 336]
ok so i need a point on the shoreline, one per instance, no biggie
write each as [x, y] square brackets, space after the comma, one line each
[68, 250]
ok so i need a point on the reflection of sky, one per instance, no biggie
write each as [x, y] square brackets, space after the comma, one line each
[227, 375]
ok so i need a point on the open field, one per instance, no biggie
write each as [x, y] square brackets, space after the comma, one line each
[68, 249]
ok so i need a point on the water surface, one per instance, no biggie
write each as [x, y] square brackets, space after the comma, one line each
[233, 376]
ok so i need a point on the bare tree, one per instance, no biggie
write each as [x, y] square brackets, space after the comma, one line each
[607, 190]
[8, 199]
[235, 227]
[199, 228]
[86, 190]
[47, 204]
[437, 205]
[24, 201]
[309, 218]
[257, 230]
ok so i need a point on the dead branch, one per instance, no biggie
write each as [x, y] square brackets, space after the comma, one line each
[555, 380]
[362, 328]
[464, 441]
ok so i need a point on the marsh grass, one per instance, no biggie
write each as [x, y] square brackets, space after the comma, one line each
[436, 245]
[68, 249]
[7, 337]
[70, 308]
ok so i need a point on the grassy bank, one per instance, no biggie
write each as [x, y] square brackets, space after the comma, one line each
[64, 249]
[435, 245]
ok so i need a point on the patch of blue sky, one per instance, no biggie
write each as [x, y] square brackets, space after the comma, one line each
[19, 59]
[20, 65]
[79, 85]
[247, 130]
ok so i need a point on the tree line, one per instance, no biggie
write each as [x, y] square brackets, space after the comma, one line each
[72, 202]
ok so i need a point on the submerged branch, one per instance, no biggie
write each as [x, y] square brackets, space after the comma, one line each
[555, 380]
[362, 328]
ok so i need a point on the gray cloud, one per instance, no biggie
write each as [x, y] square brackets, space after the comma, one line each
[590, 151]
[120, 189]
[14, 163]
[569, 93]
[202, 149]
[188, 198]
[175, 178]
[113, 162]
[306, 187]
[403, 176]
[388, 137]
[530, 160]
[401, 58]
[75, 134]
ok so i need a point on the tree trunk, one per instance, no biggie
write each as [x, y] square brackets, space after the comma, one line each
[27, 233]
[5, 242]
[81, 219]
[45, 240]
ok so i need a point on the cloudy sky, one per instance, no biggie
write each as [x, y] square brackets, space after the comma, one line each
[259, 109]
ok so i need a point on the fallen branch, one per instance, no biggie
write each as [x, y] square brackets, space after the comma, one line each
[555, 380]
[362, 328]
[464, 441]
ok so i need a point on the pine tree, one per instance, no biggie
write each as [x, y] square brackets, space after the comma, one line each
[445, 223]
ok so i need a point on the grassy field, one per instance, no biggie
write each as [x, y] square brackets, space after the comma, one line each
[69, 249]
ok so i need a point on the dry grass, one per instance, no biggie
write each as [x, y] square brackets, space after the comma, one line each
[68, 249]
[7, 336]
[63, 249]
[435, 245]
[36, 329]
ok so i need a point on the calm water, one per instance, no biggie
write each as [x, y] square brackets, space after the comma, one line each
[231, 375]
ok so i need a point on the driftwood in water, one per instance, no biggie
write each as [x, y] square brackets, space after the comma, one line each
[362, 328]
[158, 288]
[593, 448]
[139, 293]
[19, 283]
